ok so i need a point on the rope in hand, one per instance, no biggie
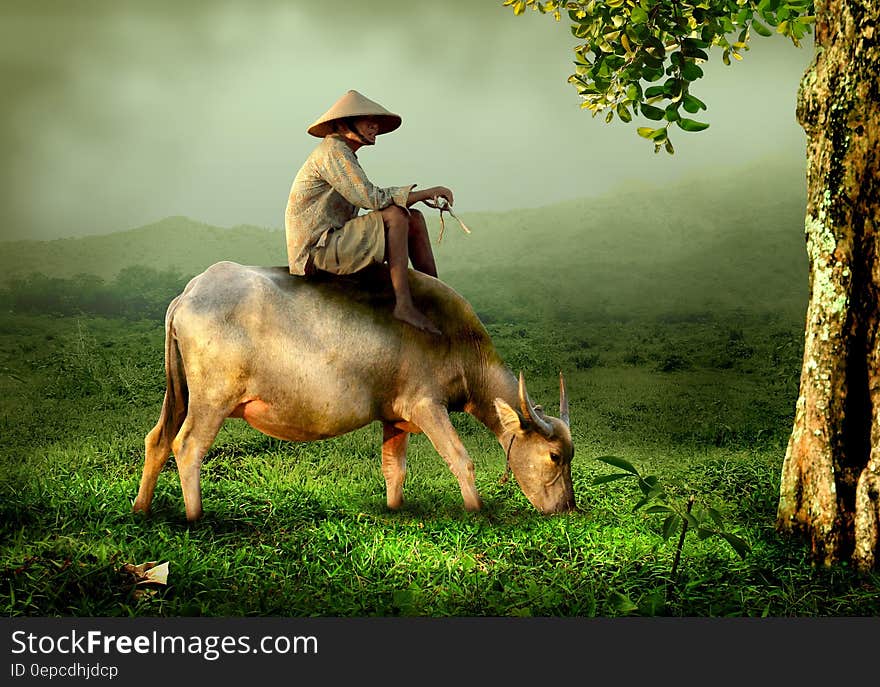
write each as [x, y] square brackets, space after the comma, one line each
[440, 203]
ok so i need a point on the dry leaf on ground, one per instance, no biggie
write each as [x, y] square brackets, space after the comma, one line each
[148, 573]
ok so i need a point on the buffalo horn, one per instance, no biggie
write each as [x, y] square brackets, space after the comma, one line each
[563, 400]
[529, 412]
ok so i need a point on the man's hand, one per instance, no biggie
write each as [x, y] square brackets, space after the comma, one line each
[441, 192]
[430, 194]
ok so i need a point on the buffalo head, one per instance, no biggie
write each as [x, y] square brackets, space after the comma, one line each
[539, 450]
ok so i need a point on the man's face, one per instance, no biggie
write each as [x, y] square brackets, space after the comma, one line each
[368, 127]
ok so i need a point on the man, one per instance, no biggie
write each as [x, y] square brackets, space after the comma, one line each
[323, 227]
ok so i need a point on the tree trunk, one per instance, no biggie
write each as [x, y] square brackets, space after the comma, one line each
[830, 487]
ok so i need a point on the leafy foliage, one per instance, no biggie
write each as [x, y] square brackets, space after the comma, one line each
[679, 515]
[642, 56]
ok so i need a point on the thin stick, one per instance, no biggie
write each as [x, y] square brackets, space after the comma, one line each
[440, 203]
[684, 529]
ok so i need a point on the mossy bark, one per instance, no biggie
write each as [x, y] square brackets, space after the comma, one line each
[830, 486]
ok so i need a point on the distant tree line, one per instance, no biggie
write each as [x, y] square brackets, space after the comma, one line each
[137, 292]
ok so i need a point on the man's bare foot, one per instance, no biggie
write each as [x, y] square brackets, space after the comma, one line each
[410, 315]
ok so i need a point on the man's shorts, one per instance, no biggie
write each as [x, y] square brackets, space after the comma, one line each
[359, 243]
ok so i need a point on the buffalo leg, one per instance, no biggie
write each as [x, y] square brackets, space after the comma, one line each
[157, 447]
[156, 455]
[394, 442]
[433, 419]
[190, 446]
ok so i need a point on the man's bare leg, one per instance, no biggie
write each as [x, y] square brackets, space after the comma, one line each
[396, 222]
[420, 251]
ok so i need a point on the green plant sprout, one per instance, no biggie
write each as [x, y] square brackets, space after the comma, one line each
[680, 513]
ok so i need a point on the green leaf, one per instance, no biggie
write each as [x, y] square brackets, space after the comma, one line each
[692, 104]
[655, 91]
[658, 508]
[770, 18]
[672, 87]
[619, 463]
[655, 46]
[649, 74]
[703, 533]
[623, 113]
[622, 603]
[693, 44]
[691, 124]
[639, 16]
[671, 113]
[648, 484]
[603, 479]
[691, 72]
[669, 526]
[741, 546]
[651, 112]
[669, 148]
[716, 516]
[657, 493]
[645, 131]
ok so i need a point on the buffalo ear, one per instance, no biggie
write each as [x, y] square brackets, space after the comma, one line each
[511, 420]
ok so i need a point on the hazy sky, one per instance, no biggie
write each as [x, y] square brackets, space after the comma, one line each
[117, 114]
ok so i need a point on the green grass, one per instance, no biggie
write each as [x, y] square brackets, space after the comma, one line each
[302, 529]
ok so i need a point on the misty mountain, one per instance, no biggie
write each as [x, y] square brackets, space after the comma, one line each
[729, 241]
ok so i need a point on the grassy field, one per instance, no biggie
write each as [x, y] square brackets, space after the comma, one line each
[302, 529]
[680, 339]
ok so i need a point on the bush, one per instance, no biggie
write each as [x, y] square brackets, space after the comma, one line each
[585, 361]
[672, 362]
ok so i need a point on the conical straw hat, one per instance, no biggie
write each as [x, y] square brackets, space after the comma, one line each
[353, 104]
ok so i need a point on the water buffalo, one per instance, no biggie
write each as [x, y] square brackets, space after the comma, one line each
[310, 358]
